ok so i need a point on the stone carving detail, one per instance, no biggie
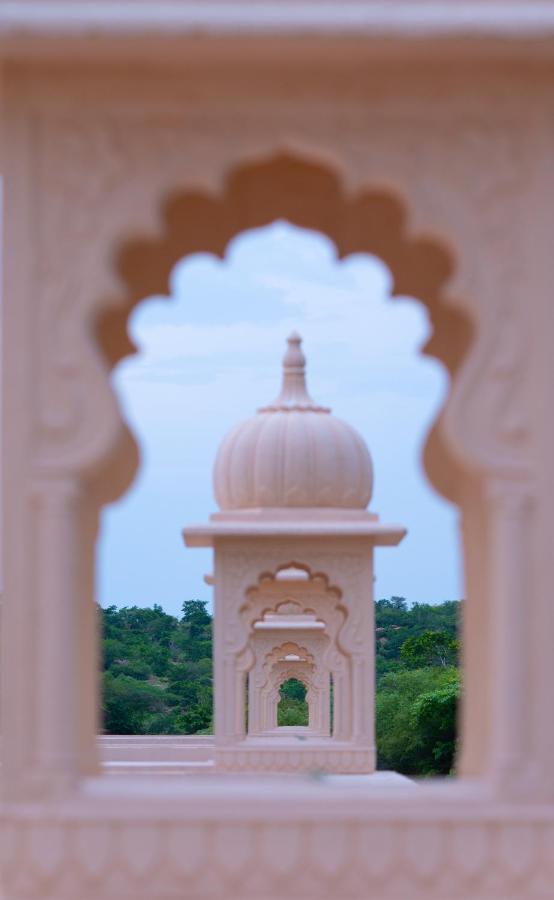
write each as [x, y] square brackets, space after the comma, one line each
[125, 182]
[275, 665]
[100, 151]
[356, 858]
[73, 433]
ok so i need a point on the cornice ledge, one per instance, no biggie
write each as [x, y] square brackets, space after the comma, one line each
[513, 20]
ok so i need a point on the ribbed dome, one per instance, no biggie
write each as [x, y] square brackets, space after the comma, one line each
[293, 453]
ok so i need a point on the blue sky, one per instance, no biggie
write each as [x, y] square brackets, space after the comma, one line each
[211, 355]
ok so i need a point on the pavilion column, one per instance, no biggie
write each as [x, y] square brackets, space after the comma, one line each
[269, 713]
[265, 699]
[362, 699]
[270, 721]
[313, 696]
[58, 733]
[238, 708]
[342, 700]
[475, 719]
[321, 705]
[255, 701]
[228, 706]
[272, 710]
[325, 701]
[89, 636]
[512, 593]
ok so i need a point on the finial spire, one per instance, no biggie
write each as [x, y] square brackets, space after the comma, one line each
[294, 393]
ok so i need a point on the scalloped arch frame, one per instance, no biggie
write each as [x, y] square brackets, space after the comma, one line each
[308, 194]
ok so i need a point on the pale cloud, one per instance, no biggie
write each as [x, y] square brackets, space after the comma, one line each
[374, 329]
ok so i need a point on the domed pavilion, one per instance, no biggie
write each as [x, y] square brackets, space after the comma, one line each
[293, 585]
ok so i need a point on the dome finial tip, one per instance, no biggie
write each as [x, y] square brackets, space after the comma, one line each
[294, 357]
[293, 393]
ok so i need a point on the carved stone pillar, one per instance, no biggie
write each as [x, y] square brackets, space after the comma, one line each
[512, 753]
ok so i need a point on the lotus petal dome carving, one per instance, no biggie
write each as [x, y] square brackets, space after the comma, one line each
[293, 453]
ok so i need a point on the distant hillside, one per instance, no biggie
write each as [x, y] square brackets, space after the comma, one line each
[395, 622]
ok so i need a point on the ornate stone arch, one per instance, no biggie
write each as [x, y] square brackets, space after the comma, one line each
[332, 649]
[480, 436]
[311, 194]
[85, 455]
[260, 599]
[300, 674]
[313, 675]
[267, 579]
[308, 194]
[285, 648]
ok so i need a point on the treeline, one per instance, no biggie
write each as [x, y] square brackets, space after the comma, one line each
[418, 685]
[157, 678]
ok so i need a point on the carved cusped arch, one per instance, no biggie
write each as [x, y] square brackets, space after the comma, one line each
[287, 648]
[270, 594]
[310, 195]
[308, 673]
[269, 579]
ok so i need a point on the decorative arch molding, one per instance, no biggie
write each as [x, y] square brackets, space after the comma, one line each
[305, 573]
[285, 648]
[310, 672]
[269, 593]
[482, 433]
[292, 673]
[84, 456]
[330, 650]
[311, 195]
[270, 579]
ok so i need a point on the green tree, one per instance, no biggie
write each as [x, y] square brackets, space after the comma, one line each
[197, 719]
[293, 689]
[128, 704]
[158, 670]
[434, 718]
[401, 743]
[292, 708]
[432, 648]
[196, 617]
[112, 651]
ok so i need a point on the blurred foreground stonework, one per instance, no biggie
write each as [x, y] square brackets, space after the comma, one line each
[134, 133]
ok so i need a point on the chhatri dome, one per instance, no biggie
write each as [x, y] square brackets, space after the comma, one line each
[293, 453]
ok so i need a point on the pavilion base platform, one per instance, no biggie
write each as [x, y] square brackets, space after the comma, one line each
[157, 754]
[294, 752]
[198, 754]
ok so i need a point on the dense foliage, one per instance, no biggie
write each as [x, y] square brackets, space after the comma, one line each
[157, 679]
[157, 675]
[418, 686]
[292, 708]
